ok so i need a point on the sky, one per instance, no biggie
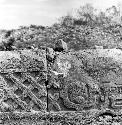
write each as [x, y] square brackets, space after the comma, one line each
[15, 13]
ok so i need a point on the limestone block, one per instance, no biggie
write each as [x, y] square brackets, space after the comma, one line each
[22, 81]
[83, 80]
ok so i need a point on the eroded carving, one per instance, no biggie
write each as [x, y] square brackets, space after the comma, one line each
[22, 81]
[83, 81]
[87, 80]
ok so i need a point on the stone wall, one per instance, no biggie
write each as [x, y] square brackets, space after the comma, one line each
[60, 87]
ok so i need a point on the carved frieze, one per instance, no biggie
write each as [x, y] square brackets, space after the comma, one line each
[22, 81]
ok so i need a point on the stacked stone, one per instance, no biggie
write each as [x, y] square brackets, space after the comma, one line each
[65, 86]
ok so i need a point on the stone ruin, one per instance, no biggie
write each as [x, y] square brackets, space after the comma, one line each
[47, 87]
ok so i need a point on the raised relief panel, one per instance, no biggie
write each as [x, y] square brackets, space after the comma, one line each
[72, 89]
[85, 80]
[22, 81]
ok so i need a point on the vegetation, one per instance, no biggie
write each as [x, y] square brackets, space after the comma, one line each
[88, 29]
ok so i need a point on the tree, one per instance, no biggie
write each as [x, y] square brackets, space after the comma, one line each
[67, 20]
[113, 14]
[86, 13]
[102, 18]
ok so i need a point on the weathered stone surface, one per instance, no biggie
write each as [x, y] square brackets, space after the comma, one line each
[85, 80]
[81, 87]
[22, 61]
[72, 92]
[22, 81]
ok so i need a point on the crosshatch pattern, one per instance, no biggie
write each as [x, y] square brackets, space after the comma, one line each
[71, 85]
[23, 76]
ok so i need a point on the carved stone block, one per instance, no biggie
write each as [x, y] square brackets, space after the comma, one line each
[60, 87]
[22, 81]
[83, 80]
[71, 87]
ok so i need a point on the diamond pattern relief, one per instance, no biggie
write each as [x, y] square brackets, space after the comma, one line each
[23, 87]
[72, 84]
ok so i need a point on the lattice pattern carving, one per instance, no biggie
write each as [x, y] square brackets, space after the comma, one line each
[23, 76]
[73, 81]
[71, 87]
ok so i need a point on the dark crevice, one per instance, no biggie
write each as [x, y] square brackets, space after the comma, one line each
[108, 114]
[46, 84]
[59, 49]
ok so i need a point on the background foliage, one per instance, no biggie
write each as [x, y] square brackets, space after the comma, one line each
[89, 29]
